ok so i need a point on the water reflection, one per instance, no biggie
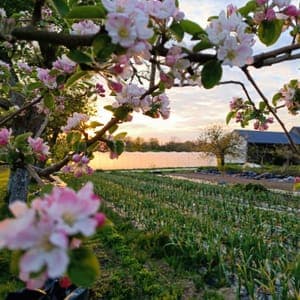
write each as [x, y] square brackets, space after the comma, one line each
[141, 160]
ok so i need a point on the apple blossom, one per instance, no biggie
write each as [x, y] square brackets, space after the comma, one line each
[45, 232]
[120, 6]
[84, 27]
[292, 11]
[233, 43]
[5, 136]
[47, 79]
[121, 29]
[64, 64]
[75, 121]
[40, 149]
[24, 66]
[162, 9]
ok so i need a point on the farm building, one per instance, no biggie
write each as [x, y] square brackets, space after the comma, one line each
[269, 146]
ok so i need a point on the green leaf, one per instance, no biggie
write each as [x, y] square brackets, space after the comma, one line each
[103, 47]
[121, 112]
[73, 137]
[262, 106]
[79, 146]
[95, 124]
[177, 30]
[109, 108]
[84, 268]
[120, 136]
[21, 140]
[79, 57]
[75, 77]
[34, 85]
[270, 31]
[211, 73]
[205, 44]
[113, 129]
[61, 6]
[275, 98]
[229, 116]
[119, 146]
[87, 12]
[49, 101]
[191, 27]
[249, 7]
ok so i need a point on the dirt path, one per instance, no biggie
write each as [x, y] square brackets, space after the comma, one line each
[230, 179]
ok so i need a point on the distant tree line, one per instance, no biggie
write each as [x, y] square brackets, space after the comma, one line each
[153, 144]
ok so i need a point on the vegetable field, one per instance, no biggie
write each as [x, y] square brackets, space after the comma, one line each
[175, 239]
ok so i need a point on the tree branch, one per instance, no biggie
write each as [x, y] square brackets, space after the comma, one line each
[264, 98]
[244, 89]
[270, 57]
[70, 41]
[16, 113]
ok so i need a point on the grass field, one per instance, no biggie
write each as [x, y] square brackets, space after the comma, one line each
[174, 239]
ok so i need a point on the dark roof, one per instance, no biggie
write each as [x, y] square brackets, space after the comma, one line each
[268, 137]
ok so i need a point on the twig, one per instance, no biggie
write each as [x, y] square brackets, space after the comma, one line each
[244, 89]
[264, 98]
[14, 114]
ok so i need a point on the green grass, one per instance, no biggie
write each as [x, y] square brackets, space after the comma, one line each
[8, 281]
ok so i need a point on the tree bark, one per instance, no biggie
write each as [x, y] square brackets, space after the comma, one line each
[220, 162]
[18, 185]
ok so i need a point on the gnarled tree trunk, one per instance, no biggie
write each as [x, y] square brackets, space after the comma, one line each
[18, 185]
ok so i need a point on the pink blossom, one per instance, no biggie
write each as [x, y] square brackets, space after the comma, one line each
[48, 80]
[231, 9]
[131, 95]
[76, 157]
[100, 89]
[125, 7]
[174, 54]
[121, 29]
[47, 250]
[5, 136]
[100, 217]
[163, 101]
[292, 11]
[45, 232]
[24, 67]
[234, 54]
[65, 64]
[75, 121]
[270, 14]
[74, 212]
[162, 9]
[40, 149]
[115, 86]
[85, 27]
[166, 79]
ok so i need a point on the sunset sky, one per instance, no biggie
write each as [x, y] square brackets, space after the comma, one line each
[193, 108]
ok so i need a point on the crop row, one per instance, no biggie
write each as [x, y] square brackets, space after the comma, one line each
[210, 231]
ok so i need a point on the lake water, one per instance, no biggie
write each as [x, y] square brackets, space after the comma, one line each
[143, 160]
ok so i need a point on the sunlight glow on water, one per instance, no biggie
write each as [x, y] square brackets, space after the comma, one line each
[141, 160]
